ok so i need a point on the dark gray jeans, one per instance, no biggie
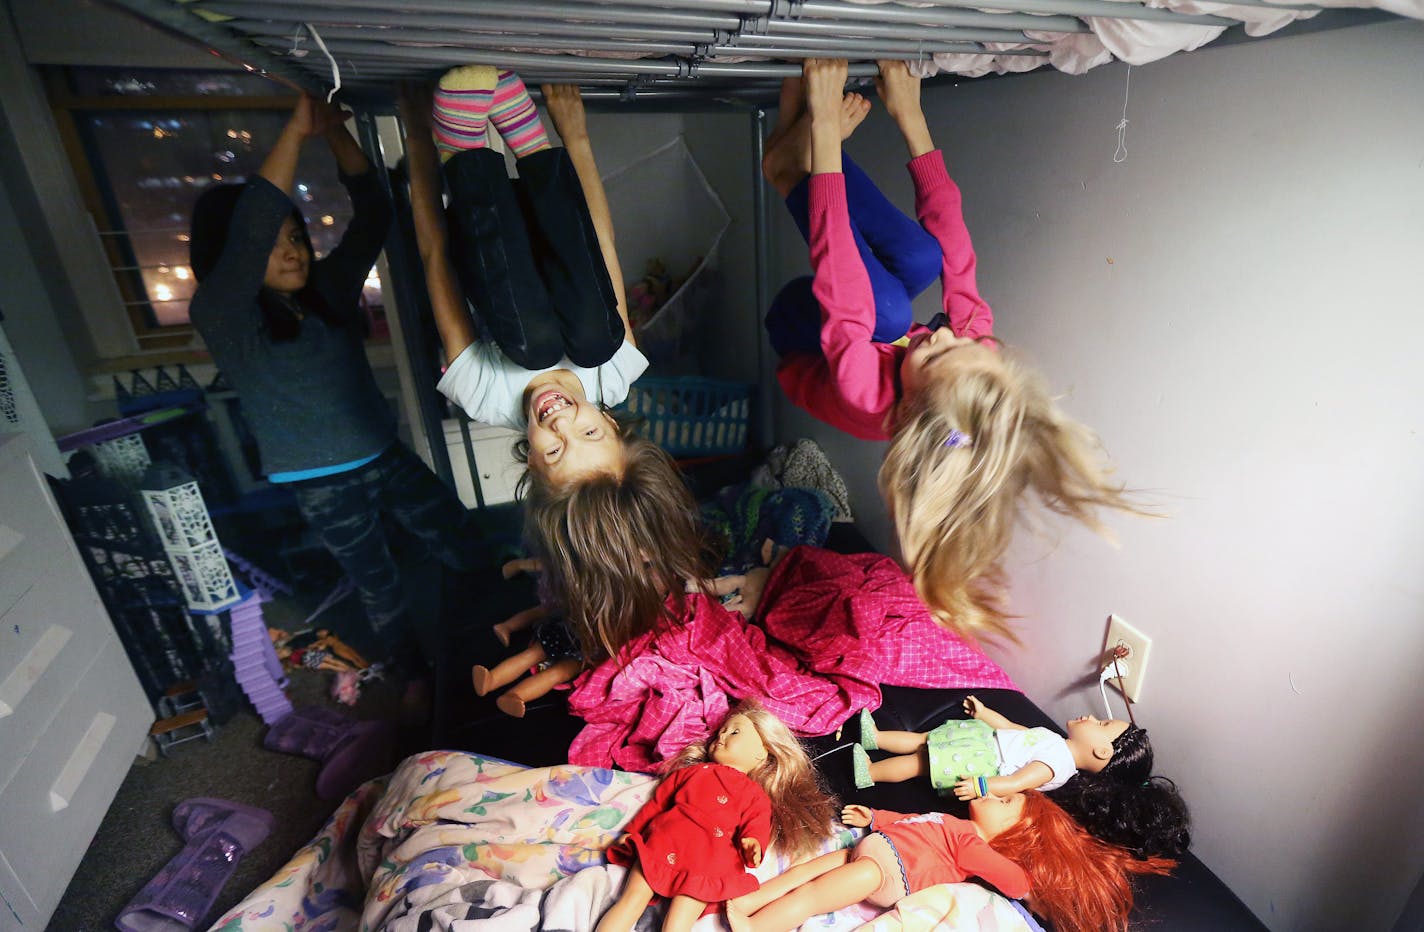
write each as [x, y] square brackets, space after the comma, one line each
[345, 511]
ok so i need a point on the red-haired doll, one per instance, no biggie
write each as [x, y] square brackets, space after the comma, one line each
[1023, 844]
[723, 803]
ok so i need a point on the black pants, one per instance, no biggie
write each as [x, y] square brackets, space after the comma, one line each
[528, 257]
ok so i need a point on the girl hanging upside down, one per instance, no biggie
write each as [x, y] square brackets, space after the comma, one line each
[606, 511]
[970, 429]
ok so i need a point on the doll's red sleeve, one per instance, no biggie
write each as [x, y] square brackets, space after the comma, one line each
[756, 817]
[977, 859]
[879, 818]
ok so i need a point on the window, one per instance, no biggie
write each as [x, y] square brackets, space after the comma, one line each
[146, 144]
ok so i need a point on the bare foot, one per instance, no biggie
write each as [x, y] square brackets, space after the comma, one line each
[481, 677]
[789, 160]
[511, 705]
[788, 108]
[502, 632]
[854, 109]
[737, 920]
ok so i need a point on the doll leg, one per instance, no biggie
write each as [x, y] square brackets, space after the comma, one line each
[623, 915]
[682, 912]
[507, 671]
[518, 622]
[902, 767]
[846, 885]
[537, 685]
[788, 880]
[900, 742]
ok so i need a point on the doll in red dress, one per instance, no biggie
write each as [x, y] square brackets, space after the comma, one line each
[720, 807]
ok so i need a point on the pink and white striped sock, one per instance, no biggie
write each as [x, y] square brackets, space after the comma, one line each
[462, 105]
[514, 115]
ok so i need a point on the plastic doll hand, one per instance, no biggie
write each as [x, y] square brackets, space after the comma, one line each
[858, 816]
[973, 707]
[966, 789]
[751, 852]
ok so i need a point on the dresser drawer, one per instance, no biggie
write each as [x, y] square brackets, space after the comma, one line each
[55, 801]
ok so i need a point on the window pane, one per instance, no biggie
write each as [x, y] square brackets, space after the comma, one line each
[154, 165]
[106, 82]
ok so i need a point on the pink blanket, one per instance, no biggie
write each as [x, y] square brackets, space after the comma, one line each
[831, 630]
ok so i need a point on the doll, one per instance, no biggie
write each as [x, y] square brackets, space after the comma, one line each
[720, 807]
[989, 755]
[554, 650]
[1023, 844]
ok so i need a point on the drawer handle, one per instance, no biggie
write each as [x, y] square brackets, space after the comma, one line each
[62, 790]
[33, 666]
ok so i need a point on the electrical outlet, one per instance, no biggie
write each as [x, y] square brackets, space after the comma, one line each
[1138, 645]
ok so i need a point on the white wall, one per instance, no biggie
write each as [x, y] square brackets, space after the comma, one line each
[1236, 309]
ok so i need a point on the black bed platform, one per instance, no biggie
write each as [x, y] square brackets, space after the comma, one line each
[1192, 899]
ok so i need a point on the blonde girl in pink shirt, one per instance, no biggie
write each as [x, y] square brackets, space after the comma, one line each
[970, 429]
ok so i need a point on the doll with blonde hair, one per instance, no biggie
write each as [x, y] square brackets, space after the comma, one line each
[722, 804]
[1022, 844]
[971, 431]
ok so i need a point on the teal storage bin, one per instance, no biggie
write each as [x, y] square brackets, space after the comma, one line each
[692, 416]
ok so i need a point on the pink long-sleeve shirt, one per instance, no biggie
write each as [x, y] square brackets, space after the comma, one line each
[854, 382]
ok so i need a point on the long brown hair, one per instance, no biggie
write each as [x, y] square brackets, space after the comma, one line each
[801, 809]
[615, 547]
[964, 450]
[1078, 883]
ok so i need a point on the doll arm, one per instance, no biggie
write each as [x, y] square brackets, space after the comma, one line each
[755, 827]
[1028, 777]
[977, 859]
[978, 710]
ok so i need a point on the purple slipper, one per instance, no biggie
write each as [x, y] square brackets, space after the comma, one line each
[193, 816]
[308, 731]
[180, 895]
[369, 750]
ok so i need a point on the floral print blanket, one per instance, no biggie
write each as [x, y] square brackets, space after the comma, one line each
[452, 837]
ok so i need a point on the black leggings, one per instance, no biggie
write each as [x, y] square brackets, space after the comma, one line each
[528, 257]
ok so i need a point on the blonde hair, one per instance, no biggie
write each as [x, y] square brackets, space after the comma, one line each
[614, 547]
[965, 447]
[801, 809]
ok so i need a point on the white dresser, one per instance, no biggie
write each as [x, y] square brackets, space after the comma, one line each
[72, 713]
[497, 470]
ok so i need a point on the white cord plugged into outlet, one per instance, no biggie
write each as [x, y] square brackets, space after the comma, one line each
[1111, 671]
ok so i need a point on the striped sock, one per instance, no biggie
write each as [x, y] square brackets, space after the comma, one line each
[462, 108]
[514, 115]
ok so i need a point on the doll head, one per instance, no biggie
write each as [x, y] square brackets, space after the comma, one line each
[1095, 744]
[977, 431]
[1079, 883]
[801, 809]
[738, 744]
[614, 547]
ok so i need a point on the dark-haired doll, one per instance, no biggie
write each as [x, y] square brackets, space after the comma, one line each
[1105, 768]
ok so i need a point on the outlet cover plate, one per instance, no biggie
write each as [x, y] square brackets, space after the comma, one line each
[1139, 647]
